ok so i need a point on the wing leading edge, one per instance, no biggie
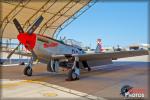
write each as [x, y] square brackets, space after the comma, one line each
[97, 56]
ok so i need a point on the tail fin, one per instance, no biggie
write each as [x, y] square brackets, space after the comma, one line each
[99, 46]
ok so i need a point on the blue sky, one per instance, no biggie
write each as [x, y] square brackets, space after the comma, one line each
[115, 23]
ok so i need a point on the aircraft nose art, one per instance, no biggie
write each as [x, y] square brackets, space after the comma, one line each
[28, 40]
[51, 44]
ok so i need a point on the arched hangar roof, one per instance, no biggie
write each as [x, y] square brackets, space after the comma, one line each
[55, 13]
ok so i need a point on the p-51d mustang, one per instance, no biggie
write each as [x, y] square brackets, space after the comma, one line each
[57, 54]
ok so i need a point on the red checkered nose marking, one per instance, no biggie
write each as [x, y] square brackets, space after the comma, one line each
[28, 40]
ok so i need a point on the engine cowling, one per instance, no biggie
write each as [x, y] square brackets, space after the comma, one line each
[28, 40]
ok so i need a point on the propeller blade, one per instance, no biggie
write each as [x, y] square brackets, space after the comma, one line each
[35, 25]
[18, 26]
[30, 31]
[12, 52]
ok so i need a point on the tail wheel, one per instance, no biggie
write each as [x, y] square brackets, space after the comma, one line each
[28, 71]
[72, 75]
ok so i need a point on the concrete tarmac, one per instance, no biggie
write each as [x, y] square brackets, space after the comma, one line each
[103, 82]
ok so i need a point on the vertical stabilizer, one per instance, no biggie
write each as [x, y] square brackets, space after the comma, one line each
[99, 46]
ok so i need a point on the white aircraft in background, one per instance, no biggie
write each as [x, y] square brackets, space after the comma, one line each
[59, 54]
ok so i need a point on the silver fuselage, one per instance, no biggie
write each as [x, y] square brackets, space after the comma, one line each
[53, 47]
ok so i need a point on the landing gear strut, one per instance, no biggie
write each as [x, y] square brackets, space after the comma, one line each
[53, 65]
[28, 68]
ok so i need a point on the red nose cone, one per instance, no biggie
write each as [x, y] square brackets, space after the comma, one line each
[28, 40]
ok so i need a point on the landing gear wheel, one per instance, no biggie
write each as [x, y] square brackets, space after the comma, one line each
[28, 71]
[72, 75]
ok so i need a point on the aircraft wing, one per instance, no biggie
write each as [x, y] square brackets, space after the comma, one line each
[109, 55]
[18, 53]
[94, 56]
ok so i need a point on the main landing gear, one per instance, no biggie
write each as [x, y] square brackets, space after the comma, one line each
[28, 71]
[74, 73]
[28, 68]
[52, 66]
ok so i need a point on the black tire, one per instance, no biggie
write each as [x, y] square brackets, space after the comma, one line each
[28, 71]
[72, 75]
